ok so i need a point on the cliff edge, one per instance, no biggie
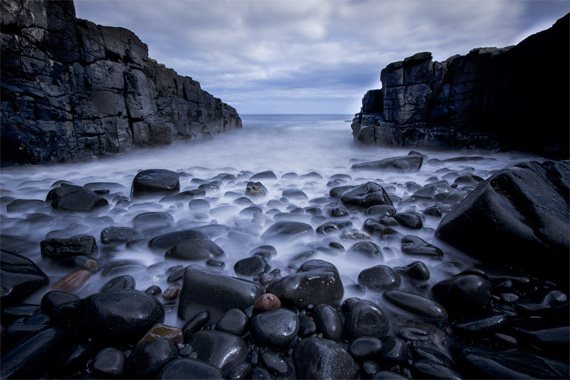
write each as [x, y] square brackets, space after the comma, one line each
[514, 98]
[72, 89]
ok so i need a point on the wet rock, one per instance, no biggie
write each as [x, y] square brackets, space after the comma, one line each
[168, 240]
[410, 219]
[426, 369]
[380, 210]
[171, 292]
[251, 266]
[35, 356]
[336, 192]
[365, 347]
[159, 330]
[52, 300]
[543, 302]
[463, 294]
[435, 211]
[242, 371]
[110, 361]
[76, 245]
[403, 164]
[479, 326]
[373, 227]
[307, 326]
[206, 290]
[294, 194]
[368, 250]
[418, 305]
[72, 281]
[124, 282]
[75, 198]
[194, 324]
[219, 349]
[149, 220]
[414, 246]
[388, 375]
[24, 205]
[189, 369]
[364, 318]
[415, 271]
[524, 211]
[315, 282]
[234, 321]
[184, 196]
[433, 190]
[195, 250]
[379, 278]
[199, 205]
[275, 328]
[333, 226]
[267, 302]
[155, 182]
[482, 363]
[153, 290]
[256, 189]
[117, 235]
[287, 231]
[394, 351]
[366, 195]
[274, 363]
[268, 174]
[122, 316]
[317, 358]
[337, 211]
[328, 321]
[19, 278]
[148, 358]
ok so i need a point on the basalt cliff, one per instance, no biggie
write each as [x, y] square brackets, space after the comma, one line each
[72, 89]
[513, 98]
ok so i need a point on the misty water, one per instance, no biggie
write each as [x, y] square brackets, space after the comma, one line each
[309, 153]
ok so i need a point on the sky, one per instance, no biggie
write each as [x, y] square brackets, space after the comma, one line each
[312, 56]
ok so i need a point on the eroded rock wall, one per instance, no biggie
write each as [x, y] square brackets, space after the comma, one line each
[514, 98]
[72, 89]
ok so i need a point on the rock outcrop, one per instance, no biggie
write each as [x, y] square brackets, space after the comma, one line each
[72, 89]
[514, 98]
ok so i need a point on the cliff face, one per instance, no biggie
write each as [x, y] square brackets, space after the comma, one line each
[513, 98]
[72, 89]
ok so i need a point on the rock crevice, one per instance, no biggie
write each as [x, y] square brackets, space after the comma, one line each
[72, 89]
[513, 98]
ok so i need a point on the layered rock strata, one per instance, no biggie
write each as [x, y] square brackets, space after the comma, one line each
[72, 89]
[514, 98]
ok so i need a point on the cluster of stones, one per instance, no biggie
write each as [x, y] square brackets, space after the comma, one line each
[73, 90]
[296, 322]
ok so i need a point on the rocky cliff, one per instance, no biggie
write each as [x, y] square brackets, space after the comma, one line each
[514, 98]
[72, 89]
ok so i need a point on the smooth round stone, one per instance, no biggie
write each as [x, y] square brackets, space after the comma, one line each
[117, 235]
[295, 194]
[417, 305]
[394, 351]
[168, 240]
[434, 189]
[380, 210]
[414, 246]
[328, 321]
[234, 322]
[365, 347]
[366, 195]
[73, 246]
[171, 292]
[333, 226]
[364, 318]
[463, 294]
[148, 220]
[260, 373]
[427, 353]
[110, 361]
[24, 205]
[426, 369]
[219, 349]
[337, 191]
[338, 211]
[268, 174]
[267, 302]
[155, 182]
[480, 325]
[410, 219]
[147, 359]
[240, 371]
[275, 328]
[124, 282]
[53, 300]
[120, 316]
[435, 211]
[75, 198]
[194, 324]
[287, 231]
[416, 271]
[199, 205]
[317, 358]
[265, 251]
[195, 250]
[153, 290]
[374, 227]
[251, 266]
[379, 278]
[368, 250]
[307, 326]
[183, 196]
[274, 363]
[388, 221]
[72, 281]
[255, 189]
[189, 369]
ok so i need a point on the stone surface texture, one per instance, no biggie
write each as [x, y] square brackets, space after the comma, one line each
[482, 100]
[72, 89]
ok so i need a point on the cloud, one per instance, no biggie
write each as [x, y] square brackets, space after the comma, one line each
[316, 56]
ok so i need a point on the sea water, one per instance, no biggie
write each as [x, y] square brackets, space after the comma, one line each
[304, 152]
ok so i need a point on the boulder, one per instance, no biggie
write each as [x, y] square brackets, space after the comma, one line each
[403, 164]
[219, 349]
[155, 182]
[317, 358]
[366, 195]
[19, 278]
[195, 250]
[519, 216]
[75, 198]
[287, 231]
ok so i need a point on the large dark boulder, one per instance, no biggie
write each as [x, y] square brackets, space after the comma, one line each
[155, 182]
[19, 278]
[74, 90]
[520, 216]
[75, 198]
[317, 358]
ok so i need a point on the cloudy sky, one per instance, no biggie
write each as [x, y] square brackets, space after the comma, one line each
[312, 56]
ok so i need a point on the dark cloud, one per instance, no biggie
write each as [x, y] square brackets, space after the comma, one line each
[316, 56]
